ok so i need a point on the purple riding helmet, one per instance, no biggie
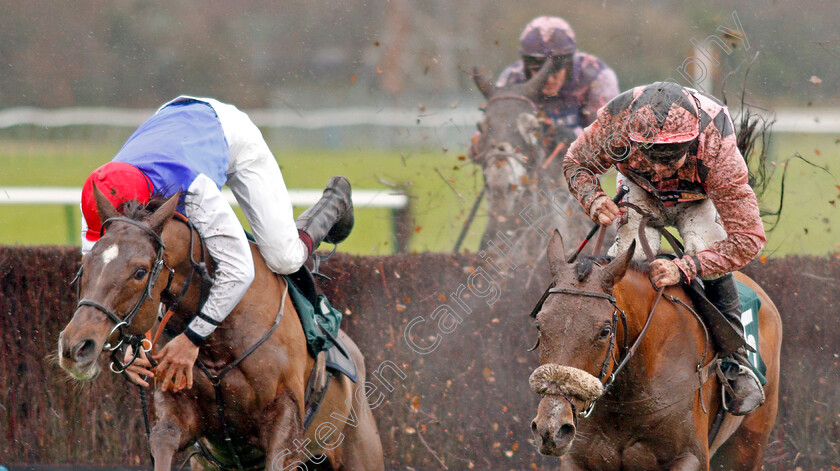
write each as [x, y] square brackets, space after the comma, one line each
[543, 37]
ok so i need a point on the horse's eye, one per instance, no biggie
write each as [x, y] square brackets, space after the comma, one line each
[605, 332]
[140, 273]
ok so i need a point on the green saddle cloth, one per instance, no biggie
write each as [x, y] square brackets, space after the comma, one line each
[750, 305]
[320, 322]
[314, 319]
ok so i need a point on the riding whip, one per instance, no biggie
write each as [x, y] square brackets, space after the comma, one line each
[621, 192]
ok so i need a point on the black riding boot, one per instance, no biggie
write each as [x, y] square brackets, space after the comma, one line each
[331, 218]
[747, 393]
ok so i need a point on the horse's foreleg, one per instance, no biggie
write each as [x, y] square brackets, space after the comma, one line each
[282, 435]
[175, 425]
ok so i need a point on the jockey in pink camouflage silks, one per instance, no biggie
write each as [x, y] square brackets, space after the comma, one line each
[572, 96]
[675, 148]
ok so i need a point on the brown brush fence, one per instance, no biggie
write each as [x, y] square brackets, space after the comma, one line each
[463, 403]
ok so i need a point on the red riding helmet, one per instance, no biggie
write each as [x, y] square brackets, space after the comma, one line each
[119, 182]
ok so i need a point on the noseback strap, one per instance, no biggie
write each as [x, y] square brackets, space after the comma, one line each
[553, 379]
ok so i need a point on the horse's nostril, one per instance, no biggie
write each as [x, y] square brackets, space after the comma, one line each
[84, 349]
[567, 431]
[534, 426]
[63, 351]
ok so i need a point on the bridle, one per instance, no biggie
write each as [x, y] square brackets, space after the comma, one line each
[618, 313]
[620, 362]
[497, 153]
[144, 341]
[122, 325]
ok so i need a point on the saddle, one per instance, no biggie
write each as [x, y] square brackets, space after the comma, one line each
[726, 339]
[320, 322]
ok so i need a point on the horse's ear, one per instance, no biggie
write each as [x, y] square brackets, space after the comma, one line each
[556, 253]
[614, 272]
[484, 86]
[104, 207]
[533, 87]
[159, 218]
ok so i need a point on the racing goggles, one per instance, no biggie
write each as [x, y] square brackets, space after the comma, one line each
[664, 153]
[533, 64]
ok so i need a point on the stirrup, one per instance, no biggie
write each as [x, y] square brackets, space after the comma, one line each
[316, 263]
[726, 387]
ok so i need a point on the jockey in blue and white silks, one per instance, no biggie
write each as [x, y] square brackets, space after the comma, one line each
[194, 146]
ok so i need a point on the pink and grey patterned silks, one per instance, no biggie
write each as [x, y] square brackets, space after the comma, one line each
[714, 169]
[590, 86]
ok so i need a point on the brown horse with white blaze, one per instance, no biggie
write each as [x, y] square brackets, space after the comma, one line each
[263, 394]
[659, 411]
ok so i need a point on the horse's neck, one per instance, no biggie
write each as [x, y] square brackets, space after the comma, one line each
[264, 285]
[667, 356]
[183, 247]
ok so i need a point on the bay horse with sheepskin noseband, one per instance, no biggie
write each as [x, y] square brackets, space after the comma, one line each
[657, 413]
[523, 180]
[263, 394]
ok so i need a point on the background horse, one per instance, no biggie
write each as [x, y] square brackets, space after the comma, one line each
[263, 394]
[523, 180]
[653, 416]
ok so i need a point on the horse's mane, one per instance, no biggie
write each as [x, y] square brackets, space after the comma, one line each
[753, 138]
[138, 211]
[583, 266]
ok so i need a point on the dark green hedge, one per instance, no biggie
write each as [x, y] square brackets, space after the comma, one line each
[465, 400]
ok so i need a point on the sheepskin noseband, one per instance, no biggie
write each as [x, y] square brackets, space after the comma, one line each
[552, 379]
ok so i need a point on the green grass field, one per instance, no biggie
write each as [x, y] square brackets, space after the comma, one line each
[442, 189]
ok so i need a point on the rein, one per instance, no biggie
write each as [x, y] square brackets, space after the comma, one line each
[199, 267]
[216, 379]
[123, 325]
[648, 220]
[145, 341]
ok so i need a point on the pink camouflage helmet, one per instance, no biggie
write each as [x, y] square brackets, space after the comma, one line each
[543, 37]
[547, 36]
[664, 121]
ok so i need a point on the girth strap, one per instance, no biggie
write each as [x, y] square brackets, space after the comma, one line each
[216, 379]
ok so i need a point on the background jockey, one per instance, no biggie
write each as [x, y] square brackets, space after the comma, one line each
[194, 146]
[676, 149]
[572, 96]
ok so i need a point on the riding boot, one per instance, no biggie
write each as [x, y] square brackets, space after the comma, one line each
[331, 218]
[746, 393]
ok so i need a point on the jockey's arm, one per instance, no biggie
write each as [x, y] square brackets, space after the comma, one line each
[227, 244]
[727, 185]
[225, 240]
[588, 158]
